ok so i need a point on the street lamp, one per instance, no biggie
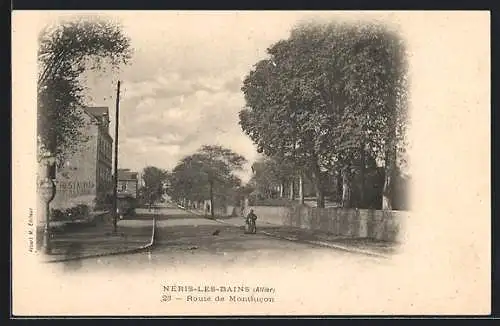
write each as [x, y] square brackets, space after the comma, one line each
[47, 189]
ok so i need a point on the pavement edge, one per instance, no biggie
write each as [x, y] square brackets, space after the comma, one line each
[330, 245]
[142, 248]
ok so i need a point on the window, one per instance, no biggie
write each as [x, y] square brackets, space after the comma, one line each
[124, 186]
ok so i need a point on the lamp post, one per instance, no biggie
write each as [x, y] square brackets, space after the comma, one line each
[47, 189]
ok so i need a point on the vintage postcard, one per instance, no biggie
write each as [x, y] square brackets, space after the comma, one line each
[250, 163]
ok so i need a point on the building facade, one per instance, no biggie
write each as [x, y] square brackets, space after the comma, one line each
[85, 177]
[104, 174]
[128, 182]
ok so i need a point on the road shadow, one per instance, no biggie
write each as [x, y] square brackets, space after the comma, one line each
[129, 231]
[73, 251]
[142, 216]
[230, 217]
[213, 238]
[179, 217]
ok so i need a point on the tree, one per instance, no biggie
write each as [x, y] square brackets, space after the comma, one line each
[377, 90]
[187, 181]
[154, 179]
[66, 51]
[325, 97]
[269, 173]
[208, 173]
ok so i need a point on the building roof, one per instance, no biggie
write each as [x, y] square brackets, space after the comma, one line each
[101, 115]
[97, 111]
[126, 174]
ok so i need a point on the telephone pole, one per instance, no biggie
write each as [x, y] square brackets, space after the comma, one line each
[115, 186]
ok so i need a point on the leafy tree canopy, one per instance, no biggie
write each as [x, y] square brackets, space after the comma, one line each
[269, 173]
[323, 90]
[66, 51]
[154, 179]
[211, 166]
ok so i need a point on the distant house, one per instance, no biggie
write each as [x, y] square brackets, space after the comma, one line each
[127, 183]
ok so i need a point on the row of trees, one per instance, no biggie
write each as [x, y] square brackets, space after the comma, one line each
[271, 181]
[271, 177]
[330, 102]
[208, 173]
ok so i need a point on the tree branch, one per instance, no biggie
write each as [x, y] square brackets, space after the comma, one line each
[57, 60]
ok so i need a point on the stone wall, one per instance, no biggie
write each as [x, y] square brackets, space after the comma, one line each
[271, 214]
[219, 211]
[356, 223]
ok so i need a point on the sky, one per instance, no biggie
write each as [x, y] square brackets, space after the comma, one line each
[182, 88]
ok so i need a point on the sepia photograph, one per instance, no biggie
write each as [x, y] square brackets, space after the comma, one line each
[250, 163]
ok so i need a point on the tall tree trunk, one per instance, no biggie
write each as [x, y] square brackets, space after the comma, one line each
[282, 188]
[387, 193]
[52, 147]
[318, 183]
[320, 195]
[362, 174]
[338, 184]
[346, 188]
[301, 188]
[212, 198]
[390, 165]
[292, 189]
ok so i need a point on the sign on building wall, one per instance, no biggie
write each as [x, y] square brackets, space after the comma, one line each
[76, 187]
[71, 191]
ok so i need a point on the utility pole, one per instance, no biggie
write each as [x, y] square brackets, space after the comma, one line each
[115, 187]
